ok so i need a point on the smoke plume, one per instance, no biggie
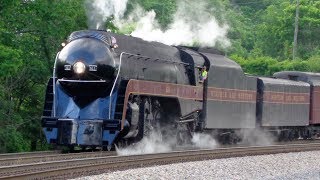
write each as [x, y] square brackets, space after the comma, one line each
[98, 11]
[193, 23]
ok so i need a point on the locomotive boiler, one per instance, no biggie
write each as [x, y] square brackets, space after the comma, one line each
[108, 88]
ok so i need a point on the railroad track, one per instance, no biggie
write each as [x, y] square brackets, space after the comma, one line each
[98, 165]
[45, 156]
[26, 157]
[27, 154]
[40, 158]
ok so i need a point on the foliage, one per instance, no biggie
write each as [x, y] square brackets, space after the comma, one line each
[10, 61]
[164, 9]
[267, 66]
[314, 63]
[12, 141]
[275, 32]
[30, 35]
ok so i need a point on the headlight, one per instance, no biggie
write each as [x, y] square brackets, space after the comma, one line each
[79, 67]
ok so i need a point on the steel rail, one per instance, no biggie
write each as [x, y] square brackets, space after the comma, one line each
[90, 166]
[27, 154]
[38, 158]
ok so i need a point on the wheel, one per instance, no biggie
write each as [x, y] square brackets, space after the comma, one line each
[122, 144]
[224, 138]
[306, 134]
[291, 135]
[150, 117]
[93, 148]
[71, 149]
[184, 134]
[234, 139]
[284, 135]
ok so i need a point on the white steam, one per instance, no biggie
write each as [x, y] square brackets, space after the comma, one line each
[156, 143]
[148, 145]
[204, 141]
[192, 24]
[98, 11]
[256, 137]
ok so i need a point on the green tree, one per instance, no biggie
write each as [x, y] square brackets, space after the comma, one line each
[275, 33]
[164, 9]
[30, 35]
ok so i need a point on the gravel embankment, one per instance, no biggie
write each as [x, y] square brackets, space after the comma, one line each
[304, 165]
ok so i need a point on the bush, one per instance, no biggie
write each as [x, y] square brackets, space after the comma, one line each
[314, 63]
[266, 66]
[12, 141]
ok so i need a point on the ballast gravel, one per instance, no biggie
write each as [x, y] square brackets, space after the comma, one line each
[303, 165]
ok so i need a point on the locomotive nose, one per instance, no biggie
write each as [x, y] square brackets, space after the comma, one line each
[85, 59]
[83, 66]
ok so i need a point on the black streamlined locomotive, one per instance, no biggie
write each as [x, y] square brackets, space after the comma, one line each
[108, 88]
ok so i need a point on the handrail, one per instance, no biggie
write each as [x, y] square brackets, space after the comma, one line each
[114, 84]
[84, 81]
[54, 85]
[157, 59]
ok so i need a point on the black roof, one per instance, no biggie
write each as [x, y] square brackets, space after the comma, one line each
[309, 77]
[282, 81]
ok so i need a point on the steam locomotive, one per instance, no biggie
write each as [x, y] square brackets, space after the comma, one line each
[108, 88]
